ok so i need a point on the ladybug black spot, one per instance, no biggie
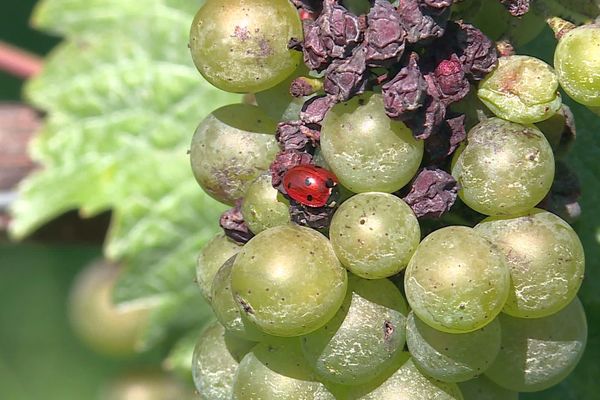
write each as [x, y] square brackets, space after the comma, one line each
[309, 197]
[289, 185]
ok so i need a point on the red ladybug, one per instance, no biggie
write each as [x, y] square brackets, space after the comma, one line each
[310, 185]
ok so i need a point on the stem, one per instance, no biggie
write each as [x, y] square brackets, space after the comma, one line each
[18, 62]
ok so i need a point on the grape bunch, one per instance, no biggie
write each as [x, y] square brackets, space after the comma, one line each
[400, 205]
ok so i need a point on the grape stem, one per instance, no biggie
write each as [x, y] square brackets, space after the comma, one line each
[18, 62]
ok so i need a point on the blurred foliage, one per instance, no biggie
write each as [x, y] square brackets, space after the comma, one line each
[123, 99]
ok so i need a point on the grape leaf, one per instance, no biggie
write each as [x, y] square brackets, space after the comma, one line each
[123, 99]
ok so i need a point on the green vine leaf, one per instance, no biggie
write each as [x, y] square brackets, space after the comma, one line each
[123, 99]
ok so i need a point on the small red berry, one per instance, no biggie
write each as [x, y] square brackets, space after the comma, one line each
[310, 185]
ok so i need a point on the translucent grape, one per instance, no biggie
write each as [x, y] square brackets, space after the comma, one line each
[277, 101]
[242, 45]
[452, 357]
[577, 62]
[366, 149]
[218, 250]
[374, 234]
[506, 168]
[539, 353]
[545, 258]
[456, 281]
[288, 281]
[91, 306]
[363, 338]
[521, 89]
[481, 388]
[231, 148]
[404, 382]
[213, 367]
[262, 208]
[226, 309]
[275, 370]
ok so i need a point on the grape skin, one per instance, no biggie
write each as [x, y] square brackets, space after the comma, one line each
[242, 45]
[262, 208]
[213, 367]
[216, 252]
[363, 338]
[288, 281]
[374, 234]
[506, 168]
[456, 281]
[226, 309]
[452, 357]
[481, 388]
[230, 148]
[367, 150]
[539, 353]
[521, 89]
[545, 258]
[275, 370]
[577, 62]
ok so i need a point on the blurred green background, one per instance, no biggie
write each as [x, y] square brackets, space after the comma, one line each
[40, 358]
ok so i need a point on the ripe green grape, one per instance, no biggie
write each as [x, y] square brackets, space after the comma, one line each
[363, 338]
[374, 234]
[147, 385]
[506, 168]
[277, 101]
[404, 382]
[213, 367]
[218, 250]
[539, 353]
[91, 307]
[366, 149]
[452, 357]
[276, 370]
[226, 309]
[230, 148]
[521, 89]
[242, 45]
[545, 258]
[262, 208]
[456, 281]
[481, 388]
[288, 281]
[577, 62]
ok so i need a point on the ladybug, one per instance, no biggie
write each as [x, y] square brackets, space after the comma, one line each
[310, 185]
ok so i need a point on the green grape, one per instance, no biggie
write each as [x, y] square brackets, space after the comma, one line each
[521, 89]
[506, 168]
[213, 367]
[213, 255]
[456, 281]
[545, 258]
[242, 45]
[262, 207]
[277, 101]
[232, 147]
[363, 338]
[366, 149]
[91, 307]
[147, 385]
[237, 346]
[374, 234]
[403, 382]
[481, 388]
[577, 62]
[452, 357]
[288, 281]
[538, 353]
[226, 309]
[276, 370]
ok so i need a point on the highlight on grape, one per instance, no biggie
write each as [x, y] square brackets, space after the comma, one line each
[400, 201]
